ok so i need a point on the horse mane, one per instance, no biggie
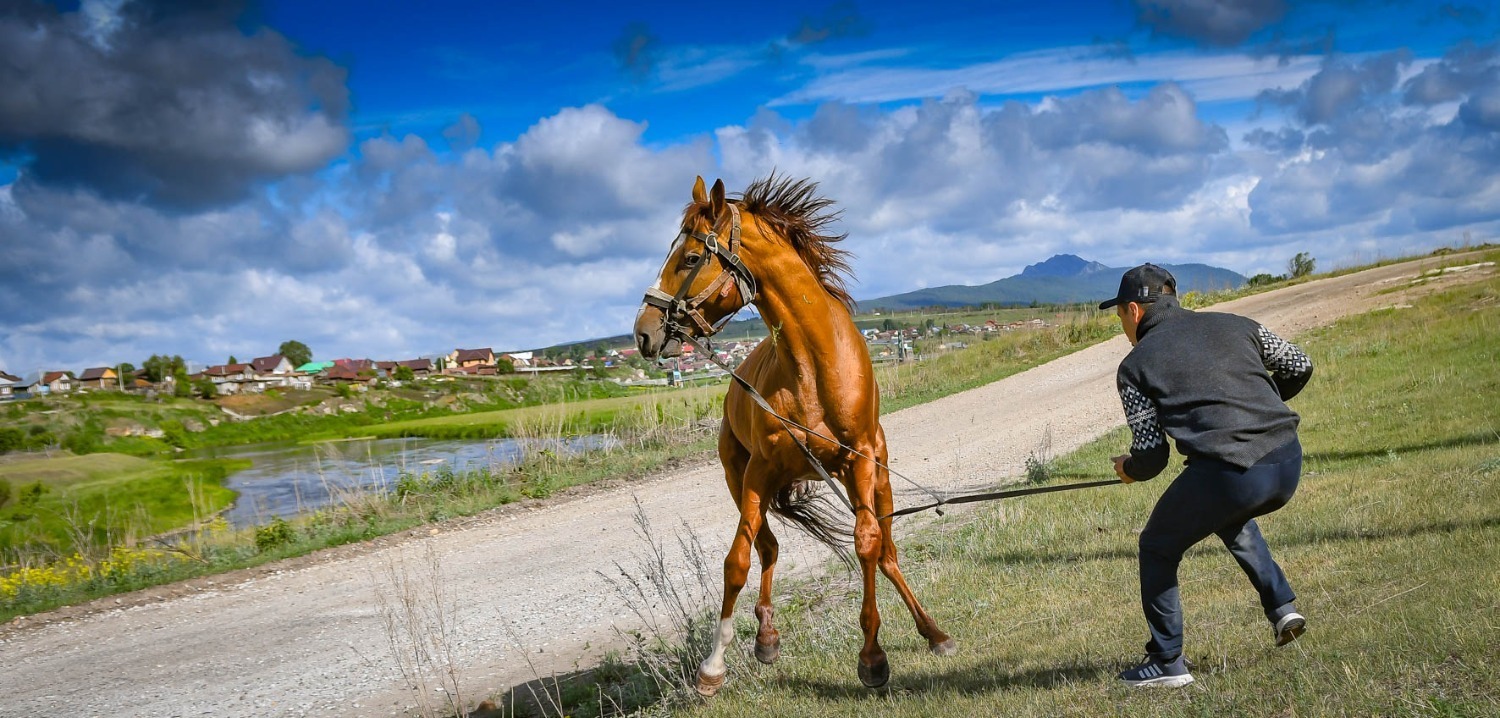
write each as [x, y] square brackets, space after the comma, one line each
[793, 208]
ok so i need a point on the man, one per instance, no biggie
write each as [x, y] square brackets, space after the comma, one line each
[1218, 385]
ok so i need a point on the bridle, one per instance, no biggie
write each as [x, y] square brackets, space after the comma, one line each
[679, 309]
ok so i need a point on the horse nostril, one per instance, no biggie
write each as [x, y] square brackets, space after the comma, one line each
[643, 342]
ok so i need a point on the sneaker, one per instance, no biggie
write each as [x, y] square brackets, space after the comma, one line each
[1288, 627]
[1156, 673]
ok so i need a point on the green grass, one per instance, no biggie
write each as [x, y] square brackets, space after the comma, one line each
[71, 504]
[1392, 544]
[575, 417]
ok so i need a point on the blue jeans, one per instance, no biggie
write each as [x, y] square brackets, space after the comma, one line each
[1211, 497]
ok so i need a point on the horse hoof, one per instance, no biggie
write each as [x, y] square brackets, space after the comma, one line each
[708, 685]
[946, 648]
[767, 653]
[875, 676]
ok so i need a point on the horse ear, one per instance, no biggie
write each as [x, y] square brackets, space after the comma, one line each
[700, 195]
[717, 200]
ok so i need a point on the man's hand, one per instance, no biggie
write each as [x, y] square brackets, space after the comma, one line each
[1120, 468]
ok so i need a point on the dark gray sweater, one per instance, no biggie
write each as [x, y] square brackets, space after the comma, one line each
[1216, 383]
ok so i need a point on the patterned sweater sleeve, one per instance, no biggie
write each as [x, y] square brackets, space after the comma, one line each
[1290, 368]
[1148, 444]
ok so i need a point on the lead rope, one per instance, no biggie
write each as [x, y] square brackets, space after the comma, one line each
[788, 423]
[818, 465]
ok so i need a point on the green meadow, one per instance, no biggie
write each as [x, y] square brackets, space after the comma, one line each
[58, 505]
[618, 414]
[1392, 544]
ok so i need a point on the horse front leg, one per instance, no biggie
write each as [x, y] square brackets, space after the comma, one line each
[712, 670]
[767, 638]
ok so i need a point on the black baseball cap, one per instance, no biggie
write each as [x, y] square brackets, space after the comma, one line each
[1143, 285]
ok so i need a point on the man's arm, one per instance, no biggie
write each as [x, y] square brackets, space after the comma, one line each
[1290, 368]
[1148, 445]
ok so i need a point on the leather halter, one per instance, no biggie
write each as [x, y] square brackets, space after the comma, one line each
[678, 308]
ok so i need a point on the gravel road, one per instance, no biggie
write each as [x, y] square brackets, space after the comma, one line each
[307, 637]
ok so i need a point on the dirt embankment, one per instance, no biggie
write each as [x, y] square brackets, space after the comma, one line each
[529, 586]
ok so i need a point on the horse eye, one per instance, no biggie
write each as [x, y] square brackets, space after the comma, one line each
[692, 260]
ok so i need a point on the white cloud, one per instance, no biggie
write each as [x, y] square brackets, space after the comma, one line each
[1207, 77]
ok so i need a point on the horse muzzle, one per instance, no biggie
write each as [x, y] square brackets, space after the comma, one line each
[651, 335]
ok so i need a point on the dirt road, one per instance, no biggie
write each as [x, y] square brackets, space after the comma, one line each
[309, 639]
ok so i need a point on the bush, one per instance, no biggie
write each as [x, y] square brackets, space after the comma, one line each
[274, 534]
[1301, 265]
[11, 439]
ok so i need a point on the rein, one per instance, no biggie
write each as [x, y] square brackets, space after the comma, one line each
[677, 309]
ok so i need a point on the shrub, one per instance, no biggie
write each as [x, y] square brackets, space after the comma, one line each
[274, 534]
[11, 439]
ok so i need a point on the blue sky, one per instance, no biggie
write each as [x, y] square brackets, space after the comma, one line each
[386, 180]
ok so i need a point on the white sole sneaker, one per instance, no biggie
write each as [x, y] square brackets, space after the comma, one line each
[1289, 627]
[1162, 682]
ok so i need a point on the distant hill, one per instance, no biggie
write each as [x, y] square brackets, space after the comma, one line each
[1061, 279]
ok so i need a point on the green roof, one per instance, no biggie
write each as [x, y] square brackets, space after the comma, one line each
[313, 367]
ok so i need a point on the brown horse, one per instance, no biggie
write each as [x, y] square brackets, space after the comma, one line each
[769, 247]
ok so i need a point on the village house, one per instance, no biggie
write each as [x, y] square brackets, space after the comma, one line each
[274, 370]
[466, 358]
[99, 378]
[231, 378]
[8, 384]
[341, 374]
[418, 367]
[519, 360]
[55, 382]
[357, 365]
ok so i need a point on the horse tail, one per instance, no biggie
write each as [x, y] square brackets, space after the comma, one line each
[801, 504]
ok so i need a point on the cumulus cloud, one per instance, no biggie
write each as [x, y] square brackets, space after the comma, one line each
[167, 103]
[1368, 148]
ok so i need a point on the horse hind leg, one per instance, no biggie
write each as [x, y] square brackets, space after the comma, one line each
[937, 641]
[767, 638]
[874, 668]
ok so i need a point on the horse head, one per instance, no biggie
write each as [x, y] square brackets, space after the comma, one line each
[703, 280]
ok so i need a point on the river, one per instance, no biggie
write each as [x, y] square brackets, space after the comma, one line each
[286, 479]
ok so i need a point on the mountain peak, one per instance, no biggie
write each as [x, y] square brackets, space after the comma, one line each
[1062, 265]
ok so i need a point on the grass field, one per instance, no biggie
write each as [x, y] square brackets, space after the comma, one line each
[80, 503]
[575, 417]
[1392, 544]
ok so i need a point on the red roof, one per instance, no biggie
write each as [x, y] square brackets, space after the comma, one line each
[355, 364]
[266, 364]
[417, 364]
[52, 376]
[344, 373]
[475, 355]
[226, 369]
